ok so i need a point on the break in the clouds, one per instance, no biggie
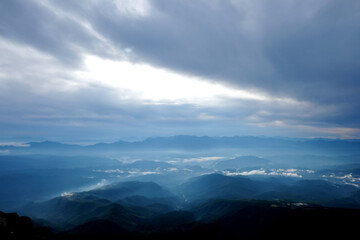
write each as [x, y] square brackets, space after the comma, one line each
[77, 70]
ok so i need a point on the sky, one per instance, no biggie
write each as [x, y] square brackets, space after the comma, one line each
[104, 70]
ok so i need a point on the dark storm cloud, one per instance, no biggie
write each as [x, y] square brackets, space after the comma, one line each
[50, 30]
[303, 50]
[319, 56]
[299, 48]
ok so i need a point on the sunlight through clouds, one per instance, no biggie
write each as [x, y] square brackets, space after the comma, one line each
[159, 86]
[176, 67]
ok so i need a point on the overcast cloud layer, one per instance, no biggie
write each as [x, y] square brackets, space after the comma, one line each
[111, 69]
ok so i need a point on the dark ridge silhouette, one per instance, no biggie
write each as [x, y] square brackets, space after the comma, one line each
[12, 226]
[215, 219]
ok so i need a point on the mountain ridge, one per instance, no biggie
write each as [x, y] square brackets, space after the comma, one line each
[188, 142]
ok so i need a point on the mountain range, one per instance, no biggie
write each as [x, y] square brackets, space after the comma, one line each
[189, 143]
[213, 206]
[182, 187]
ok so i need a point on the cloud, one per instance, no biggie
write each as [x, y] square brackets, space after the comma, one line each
[191, 67]
[14, 144]
[249, 173]
[252, 44]
[133, 8]
[100, 184]
[67, 194]
[202, 159]
[54, 95]
[164, 87]
[348, 179]
[140, 173]
[110, 171]
[273, 172]
[173, 169]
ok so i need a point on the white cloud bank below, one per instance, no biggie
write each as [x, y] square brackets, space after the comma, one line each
[296, 173]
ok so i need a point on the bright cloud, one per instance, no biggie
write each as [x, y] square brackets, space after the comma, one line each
[141, 173]
[133, 8]
[141, 81]
[273, 172]
[67, 194]
[249, 173]
[346, 179]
